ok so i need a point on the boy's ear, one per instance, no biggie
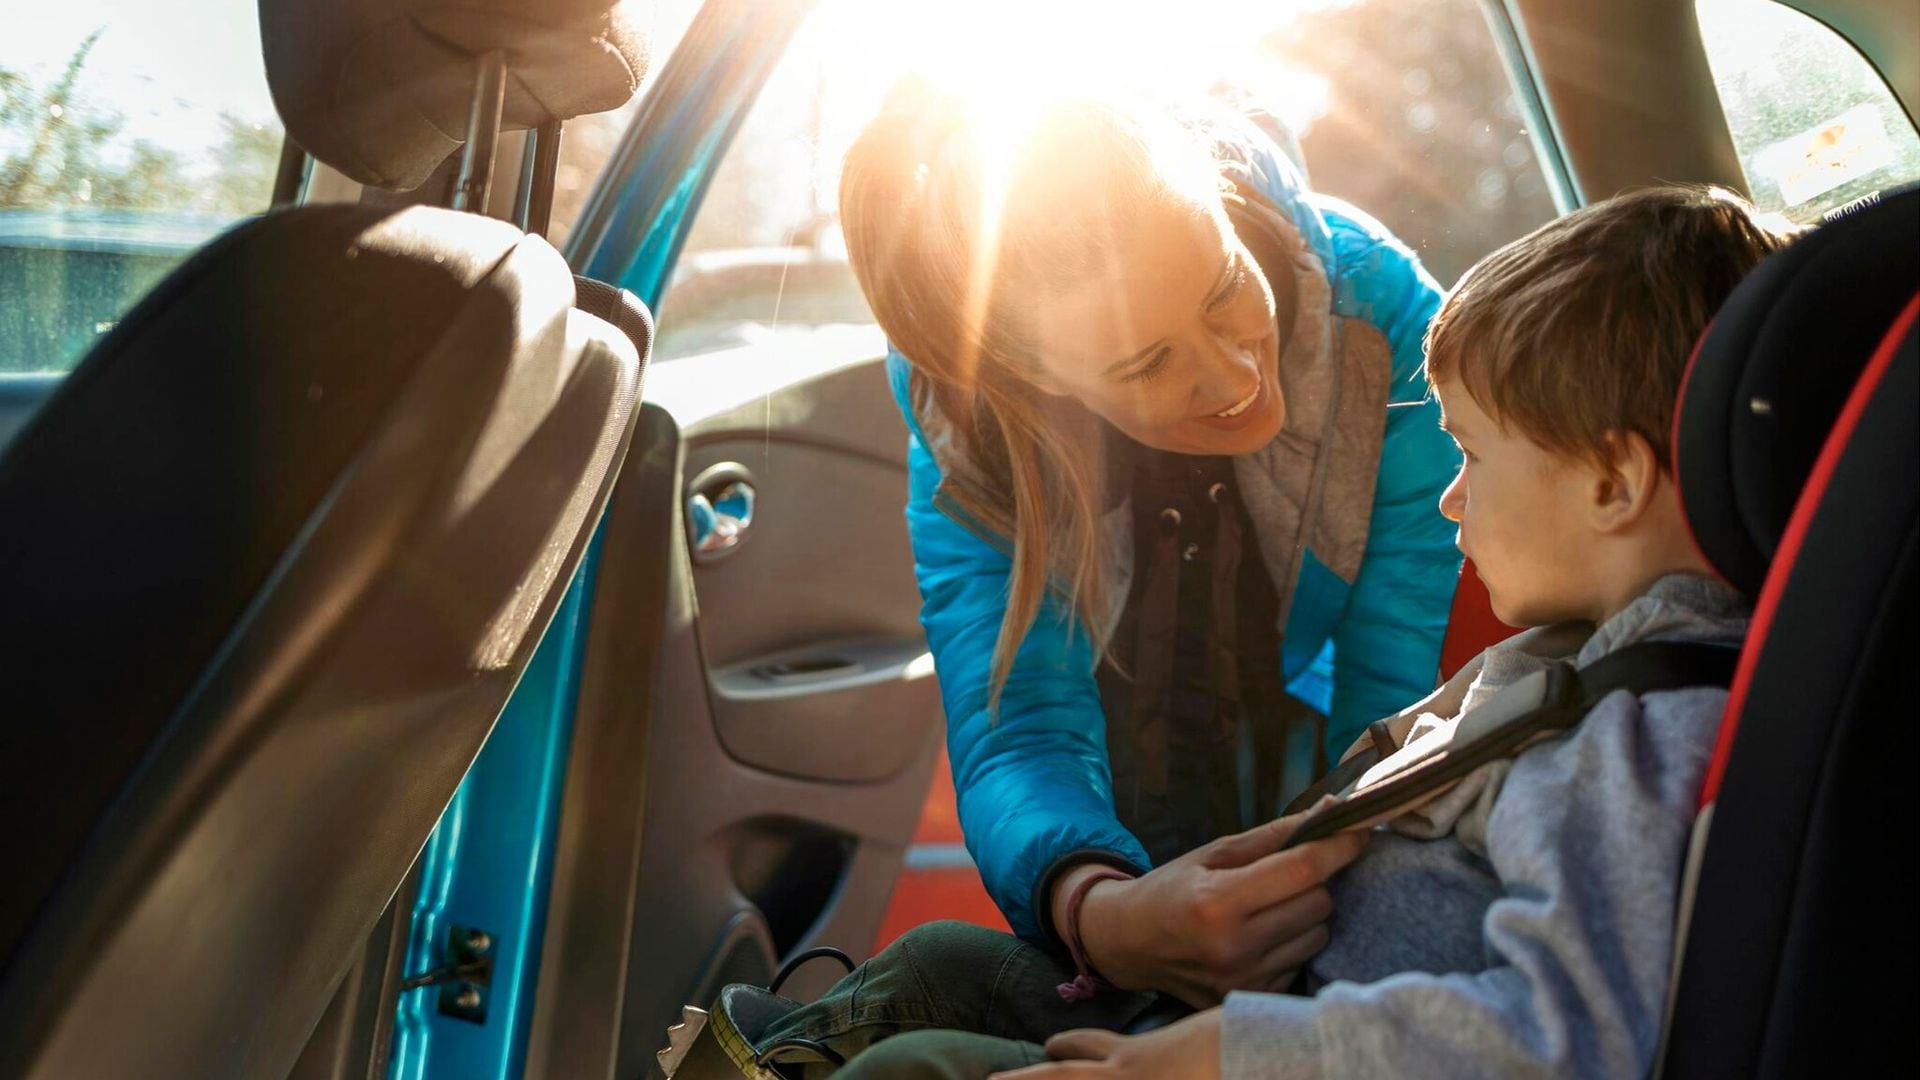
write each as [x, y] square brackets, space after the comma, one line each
[1625, 484]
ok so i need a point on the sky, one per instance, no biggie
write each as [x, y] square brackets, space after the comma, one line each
[170, 65]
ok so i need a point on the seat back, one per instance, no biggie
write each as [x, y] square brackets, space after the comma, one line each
[277, 553]
[1800, 468]
[1472, 627]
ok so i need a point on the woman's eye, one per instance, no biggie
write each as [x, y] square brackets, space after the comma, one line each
[1226, 295]
[1152, 367]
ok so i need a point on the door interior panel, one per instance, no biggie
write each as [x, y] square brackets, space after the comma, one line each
[824, 559]
[811, 711]
[756, 732]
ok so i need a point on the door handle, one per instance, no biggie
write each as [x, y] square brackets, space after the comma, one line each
[808, 670]
[720, 511]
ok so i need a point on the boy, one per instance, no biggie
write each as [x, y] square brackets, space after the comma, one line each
[1521, 924]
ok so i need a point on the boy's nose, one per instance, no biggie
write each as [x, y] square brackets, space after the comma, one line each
[1453, 501]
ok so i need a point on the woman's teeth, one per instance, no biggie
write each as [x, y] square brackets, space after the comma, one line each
[1241, 406]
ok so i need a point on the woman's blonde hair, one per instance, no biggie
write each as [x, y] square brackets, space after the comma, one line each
[956, 227]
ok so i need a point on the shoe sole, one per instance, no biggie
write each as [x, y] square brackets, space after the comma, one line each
[685, 1049]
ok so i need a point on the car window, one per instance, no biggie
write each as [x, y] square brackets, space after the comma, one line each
[587, 142]
[764, 259]
[1814, 124]
[1402, 107]
[130, 134]
[1405, 109]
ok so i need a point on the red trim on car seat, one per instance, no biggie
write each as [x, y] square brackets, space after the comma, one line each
[1472, 626]
[1811, 495]
[1673, 453]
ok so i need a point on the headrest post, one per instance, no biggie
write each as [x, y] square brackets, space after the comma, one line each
[475, 181]
[539, 165]
[290, 177]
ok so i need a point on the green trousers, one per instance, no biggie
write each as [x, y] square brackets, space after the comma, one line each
[950, 1000]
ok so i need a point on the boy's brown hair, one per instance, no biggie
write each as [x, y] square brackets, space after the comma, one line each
[1583, 327]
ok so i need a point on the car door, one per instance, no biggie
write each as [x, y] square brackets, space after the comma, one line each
[757, 715]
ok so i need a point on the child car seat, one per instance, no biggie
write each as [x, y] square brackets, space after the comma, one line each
[1808, 374]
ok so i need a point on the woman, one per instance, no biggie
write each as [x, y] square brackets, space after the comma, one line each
[1171, 461]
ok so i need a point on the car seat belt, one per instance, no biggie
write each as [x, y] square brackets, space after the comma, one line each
[1381, 778]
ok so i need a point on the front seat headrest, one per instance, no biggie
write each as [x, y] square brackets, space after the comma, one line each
[1772, 372]
[381, 89]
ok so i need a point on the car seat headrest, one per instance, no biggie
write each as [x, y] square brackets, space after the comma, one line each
[1770, 375]
[381, 89]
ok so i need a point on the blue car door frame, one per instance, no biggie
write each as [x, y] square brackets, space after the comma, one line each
[485, 873]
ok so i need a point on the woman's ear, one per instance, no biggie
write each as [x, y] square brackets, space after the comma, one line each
[1625, 483]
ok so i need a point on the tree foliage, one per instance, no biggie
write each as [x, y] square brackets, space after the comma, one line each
[1421, 128]
[60, 149]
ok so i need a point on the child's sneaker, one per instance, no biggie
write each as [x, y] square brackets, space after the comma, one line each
[724, 1042]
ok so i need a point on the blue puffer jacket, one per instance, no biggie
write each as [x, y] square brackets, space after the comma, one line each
[1034, 785]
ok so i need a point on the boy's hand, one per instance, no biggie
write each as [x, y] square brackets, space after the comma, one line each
[1188, 1050]
[1234, 914]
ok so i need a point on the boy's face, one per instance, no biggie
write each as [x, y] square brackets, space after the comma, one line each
[1521, 511]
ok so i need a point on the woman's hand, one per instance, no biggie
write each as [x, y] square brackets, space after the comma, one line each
[1188, 1050]
[1234, 914]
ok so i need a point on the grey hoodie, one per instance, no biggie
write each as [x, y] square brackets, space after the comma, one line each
[1533, 936]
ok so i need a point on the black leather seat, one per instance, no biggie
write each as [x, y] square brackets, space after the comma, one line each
[276, 554]
[1800, 468]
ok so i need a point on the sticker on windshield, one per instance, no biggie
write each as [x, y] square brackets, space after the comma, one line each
[1819, 159]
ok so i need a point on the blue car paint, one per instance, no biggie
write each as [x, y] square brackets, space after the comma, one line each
[489, 862]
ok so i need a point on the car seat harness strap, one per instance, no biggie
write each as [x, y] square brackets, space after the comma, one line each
[1385, 775]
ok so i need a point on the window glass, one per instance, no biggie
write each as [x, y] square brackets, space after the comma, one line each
[130, 133]
[1405, 110]
[587, 142]
[1815, 125]
[764, 259]
[1402, 107]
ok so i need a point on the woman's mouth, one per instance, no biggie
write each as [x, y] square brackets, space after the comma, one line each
[1240, 413]
[1243, 404]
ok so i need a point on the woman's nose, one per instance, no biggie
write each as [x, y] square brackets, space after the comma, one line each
[1234, 363]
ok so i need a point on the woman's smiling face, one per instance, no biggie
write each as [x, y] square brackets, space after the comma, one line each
[1175, 341]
